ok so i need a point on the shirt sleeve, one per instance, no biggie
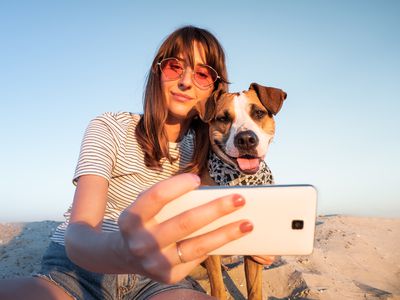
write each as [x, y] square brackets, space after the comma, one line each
[98, 150]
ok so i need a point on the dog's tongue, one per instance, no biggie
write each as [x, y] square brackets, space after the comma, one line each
[248, 163]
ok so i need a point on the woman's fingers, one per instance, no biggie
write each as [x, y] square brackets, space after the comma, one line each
[166, 266]
[197, 247]
[151, 201]
[189, 221]
[180, 271]
[178, 259]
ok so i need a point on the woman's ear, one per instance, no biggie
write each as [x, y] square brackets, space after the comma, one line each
[271, 98]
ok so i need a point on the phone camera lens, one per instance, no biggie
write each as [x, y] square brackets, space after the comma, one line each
[297, 224]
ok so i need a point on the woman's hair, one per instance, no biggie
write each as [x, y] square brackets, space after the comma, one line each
[150, 131]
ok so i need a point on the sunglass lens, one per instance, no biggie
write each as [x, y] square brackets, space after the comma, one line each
[171, 68]
[204, 75]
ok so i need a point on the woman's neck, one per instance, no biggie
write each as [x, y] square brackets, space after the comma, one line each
[176, 130]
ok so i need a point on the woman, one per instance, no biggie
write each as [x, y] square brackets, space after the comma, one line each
[110, 247]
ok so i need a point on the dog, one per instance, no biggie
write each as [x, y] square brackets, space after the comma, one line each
[241, 128]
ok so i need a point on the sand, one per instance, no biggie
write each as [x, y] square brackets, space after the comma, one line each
[353, 258]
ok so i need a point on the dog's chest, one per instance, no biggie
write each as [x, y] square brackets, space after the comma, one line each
[224, 174]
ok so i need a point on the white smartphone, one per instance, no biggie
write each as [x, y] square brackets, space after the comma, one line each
[283, 216]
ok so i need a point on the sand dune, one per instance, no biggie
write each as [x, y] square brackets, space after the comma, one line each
[353, 258]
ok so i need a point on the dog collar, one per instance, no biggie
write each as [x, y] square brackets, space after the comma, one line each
[224, 174]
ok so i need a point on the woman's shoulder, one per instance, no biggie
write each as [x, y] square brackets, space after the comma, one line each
[119, 117]
[115, 128]
[118, 120]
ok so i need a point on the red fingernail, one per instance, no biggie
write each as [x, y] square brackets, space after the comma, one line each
[246, 227]
[238, 201]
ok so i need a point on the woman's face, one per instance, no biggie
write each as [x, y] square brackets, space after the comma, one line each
[183, 94]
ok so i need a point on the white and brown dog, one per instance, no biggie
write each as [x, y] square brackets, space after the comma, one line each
[241, 128]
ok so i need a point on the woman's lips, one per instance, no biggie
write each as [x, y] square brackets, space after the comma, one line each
[181, 97]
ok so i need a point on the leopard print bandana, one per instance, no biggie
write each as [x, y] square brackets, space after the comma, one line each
[224, 174]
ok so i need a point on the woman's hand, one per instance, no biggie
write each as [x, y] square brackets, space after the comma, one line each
[151, 249]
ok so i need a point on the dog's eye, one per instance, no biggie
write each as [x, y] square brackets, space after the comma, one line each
[259, 114]
[223, 119]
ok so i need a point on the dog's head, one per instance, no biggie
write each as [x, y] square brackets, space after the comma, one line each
[242, 125]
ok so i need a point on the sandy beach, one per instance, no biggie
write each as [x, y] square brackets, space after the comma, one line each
[353, 258]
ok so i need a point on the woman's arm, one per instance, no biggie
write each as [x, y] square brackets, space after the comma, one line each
[85, 243]
[142, 245]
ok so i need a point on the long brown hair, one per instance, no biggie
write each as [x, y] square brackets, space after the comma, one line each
[150, 131]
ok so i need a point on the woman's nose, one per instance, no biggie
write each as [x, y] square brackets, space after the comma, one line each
[186, 78]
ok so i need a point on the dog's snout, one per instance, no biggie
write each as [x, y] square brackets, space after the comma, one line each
[246, 140]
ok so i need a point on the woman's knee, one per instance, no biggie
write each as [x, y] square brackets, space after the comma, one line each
[31, 288]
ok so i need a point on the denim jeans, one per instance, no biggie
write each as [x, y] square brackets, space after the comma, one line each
[84, 285]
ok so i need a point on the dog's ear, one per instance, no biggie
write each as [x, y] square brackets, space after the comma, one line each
[206, 109]
[271, 98]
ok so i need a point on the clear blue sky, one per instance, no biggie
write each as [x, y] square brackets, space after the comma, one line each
[64, 62]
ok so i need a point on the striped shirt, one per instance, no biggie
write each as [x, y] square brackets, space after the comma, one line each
[110, 149]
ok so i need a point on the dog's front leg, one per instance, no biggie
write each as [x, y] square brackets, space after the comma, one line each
[213, 265]
[253, 272]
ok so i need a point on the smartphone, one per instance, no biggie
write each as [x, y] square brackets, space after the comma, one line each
[283, 216]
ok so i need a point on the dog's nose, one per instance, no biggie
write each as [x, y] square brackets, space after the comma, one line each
[246, 140]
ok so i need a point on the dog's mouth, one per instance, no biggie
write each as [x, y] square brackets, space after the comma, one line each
[247, 163]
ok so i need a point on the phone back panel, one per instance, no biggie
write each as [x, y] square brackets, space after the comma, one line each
[276, 211]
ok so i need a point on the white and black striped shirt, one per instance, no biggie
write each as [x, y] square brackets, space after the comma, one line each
[110, 149]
